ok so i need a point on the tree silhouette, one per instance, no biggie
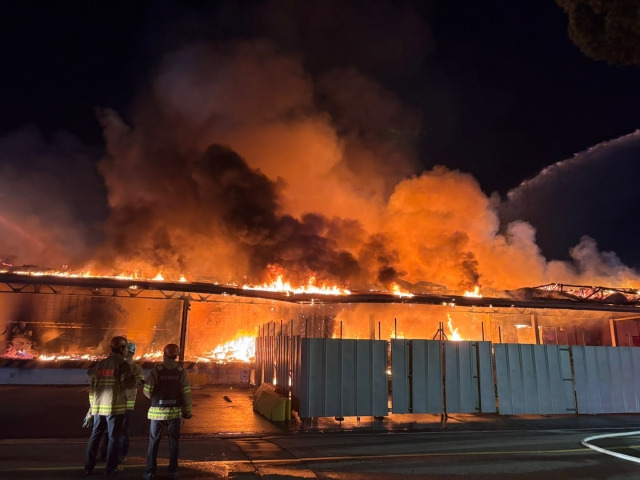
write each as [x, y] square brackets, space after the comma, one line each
[605, 29]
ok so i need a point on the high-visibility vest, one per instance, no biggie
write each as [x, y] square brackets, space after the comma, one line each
[173, 398]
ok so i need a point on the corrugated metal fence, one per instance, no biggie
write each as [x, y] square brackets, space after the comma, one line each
[344, 377]
[607, 379]
[534, 379]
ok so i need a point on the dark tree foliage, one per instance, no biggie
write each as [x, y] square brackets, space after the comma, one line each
[605, 29]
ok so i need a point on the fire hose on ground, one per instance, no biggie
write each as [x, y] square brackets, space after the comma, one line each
[585, 442]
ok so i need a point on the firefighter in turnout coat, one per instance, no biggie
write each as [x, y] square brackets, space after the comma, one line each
[168, 388]
[108, 399]
[123, 448]
[131, 399]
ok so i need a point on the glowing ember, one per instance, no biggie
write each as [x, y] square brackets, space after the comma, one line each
[475, 293]
[17, 353]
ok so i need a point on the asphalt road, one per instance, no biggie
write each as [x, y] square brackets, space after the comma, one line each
[41, 438]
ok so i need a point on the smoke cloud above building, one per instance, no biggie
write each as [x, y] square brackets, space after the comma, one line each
[246, 158]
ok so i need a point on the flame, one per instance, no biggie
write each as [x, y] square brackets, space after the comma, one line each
[396, 290]
[154, 356]
[280, 285]
[242, 349]
[57, 358]
[476, 292]
[453, 332]
[66, 273]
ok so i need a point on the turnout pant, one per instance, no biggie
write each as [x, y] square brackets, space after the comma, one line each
[155, 432]
[113, 425]
[123, 447]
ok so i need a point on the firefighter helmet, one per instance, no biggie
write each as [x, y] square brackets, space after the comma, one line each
[172, 350]
[117, 343]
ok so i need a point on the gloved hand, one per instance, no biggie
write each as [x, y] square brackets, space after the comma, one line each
[88, 420]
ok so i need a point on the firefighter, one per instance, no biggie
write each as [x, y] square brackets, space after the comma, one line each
[168, 388]
[123, 447]
[108, 400]
[131, 400]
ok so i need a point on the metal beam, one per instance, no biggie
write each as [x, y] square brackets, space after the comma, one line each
[202, 292]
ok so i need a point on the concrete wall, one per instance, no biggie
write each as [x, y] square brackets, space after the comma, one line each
[199, 376]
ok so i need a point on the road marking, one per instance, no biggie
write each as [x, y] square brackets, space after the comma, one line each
[301, 460]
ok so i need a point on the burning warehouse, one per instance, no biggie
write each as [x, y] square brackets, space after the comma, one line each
[237, 171]
[56, 318]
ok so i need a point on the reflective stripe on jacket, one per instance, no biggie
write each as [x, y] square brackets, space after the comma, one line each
[133, 392]
[109, 379]
[166, 412]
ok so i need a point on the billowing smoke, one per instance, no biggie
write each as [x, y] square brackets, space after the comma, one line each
[231, 168]
[242, 160]
[51, 199]
[582, 200]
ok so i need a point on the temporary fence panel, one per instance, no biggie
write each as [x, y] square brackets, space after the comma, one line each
[416, 376]
[275, 356]
[265, 360]
[296, 372]
[341, 378]
[283, 363]
[468, 373]
[400, 376]
[607, 379]
[534, 379]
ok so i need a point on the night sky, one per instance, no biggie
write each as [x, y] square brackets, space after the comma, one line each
[496, 90]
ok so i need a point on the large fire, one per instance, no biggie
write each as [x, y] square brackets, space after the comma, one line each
[242, 350]
[278, 284]
[222, 329]
[281, 285]
[291, 169]
[240, 167]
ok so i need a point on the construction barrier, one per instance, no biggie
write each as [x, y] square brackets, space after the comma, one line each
[272, 405]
